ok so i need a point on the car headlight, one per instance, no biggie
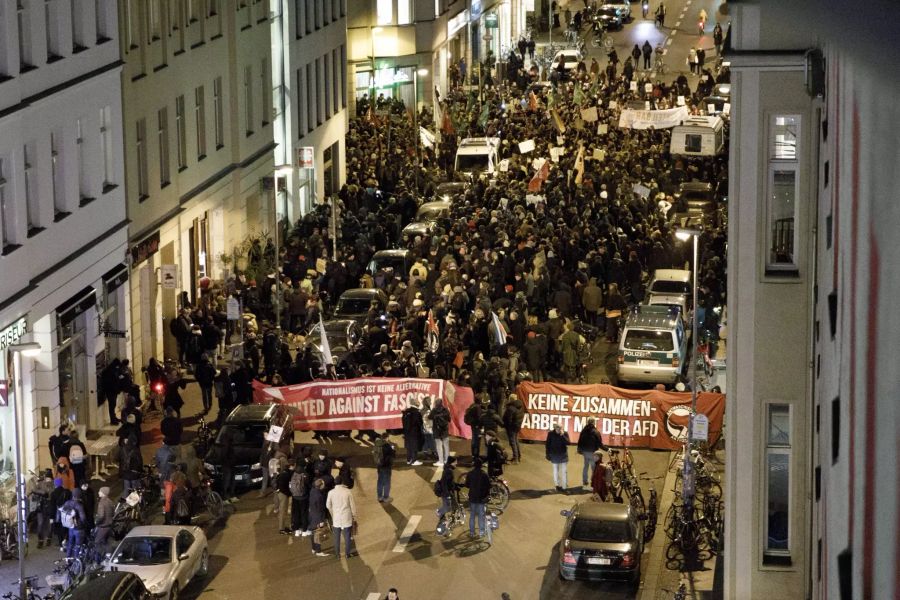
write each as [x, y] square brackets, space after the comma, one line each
[255, 466]
[156, 588]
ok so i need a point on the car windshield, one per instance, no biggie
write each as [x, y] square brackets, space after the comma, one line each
[608, 11]
[245, 434]
[395, 262]
[665, 286]
[648, 339]
[592, 530]
[143, 551]
[471, 162]
[352, 306]
[428, 214]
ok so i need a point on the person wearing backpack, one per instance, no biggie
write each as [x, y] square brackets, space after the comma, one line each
[445, 487]
[103, 521]
[512, 423]
[131, 465]
[383, 453]
[412, 432]
[440, 427]
[40, 504]
[205, 374]
[73, 517]
[58, 497]
[589, 442]
[78, 458]
[181, 509]
[299, 486]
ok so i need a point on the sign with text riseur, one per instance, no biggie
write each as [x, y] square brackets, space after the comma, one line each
[365, 403]
[633, 418]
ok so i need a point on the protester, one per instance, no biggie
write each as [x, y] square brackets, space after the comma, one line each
[479, 485]
[342, 507]
[589, 441]
[383, 453]
[557, 452]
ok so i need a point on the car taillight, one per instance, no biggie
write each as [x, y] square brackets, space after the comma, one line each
[628, 559]
[675, 361]
[569, 558]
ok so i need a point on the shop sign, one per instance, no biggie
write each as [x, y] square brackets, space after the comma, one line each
[4, 392]
[145, 249]
[456, 23]
[306, 157]
[11, 334]
[115, 277]
[169, 274]
[490, 21]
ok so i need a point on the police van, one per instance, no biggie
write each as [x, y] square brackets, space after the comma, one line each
[653, 346]
[476, 157]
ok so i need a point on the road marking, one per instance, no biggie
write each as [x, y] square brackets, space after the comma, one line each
[440, 470]
[407, 534]
[374, 596]
[665, 51]
[669, 42]
[677, 24]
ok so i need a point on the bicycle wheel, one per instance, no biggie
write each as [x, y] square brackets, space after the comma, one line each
[463, 490]
[214, 504]
[498, 499]
[608, 43]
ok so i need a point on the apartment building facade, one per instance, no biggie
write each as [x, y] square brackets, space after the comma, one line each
[812, 484]
[63, 226]
[198, 118]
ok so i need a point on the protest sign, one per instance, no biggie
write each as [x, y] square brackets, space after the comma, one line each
[526, 146]
[634, 418]
[658, 119]
[365, 403]
[589, 115]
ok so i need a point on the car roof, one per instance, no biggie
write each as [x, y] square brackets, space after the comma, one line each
[480, 141]
[435, 205]
[101, 585]
[569, 52]
[695, 186]
[671, 275]
[250, 412]
[391, 252]
[363, 293]
[607, 511]
[653, 316]
[338, 324]
[159, 530]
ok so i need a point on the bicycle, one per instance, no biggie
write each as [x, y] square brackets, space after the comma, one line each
[29, 590]
[498, 497]
[9, 540]
[211, 499]
[679, 594]
[652, 509]
[204, 438]
[455, 516]
[67, 574]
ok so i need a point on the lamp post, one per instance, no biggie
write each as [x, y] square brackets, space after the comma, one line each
[685, 234]
[423, 73]
[372, 40]
[19, 350]
[280, 171]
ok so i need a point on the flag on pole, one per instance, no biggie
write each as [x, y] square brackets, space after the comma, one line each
[326, 347]
[558, 122]
[579, 95]
[499, 329]
[532, 102]
[485, 113]
[432, 333]
[551, 98]
[542, 173]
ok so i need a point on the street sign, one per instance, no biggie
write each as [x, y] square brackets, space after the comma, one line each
[10, 334]
[274, 434]
[490, 21]
[4, 392]
[233, 309]
[169, 274]
[237, 352]
[306, 157]
[701, 428]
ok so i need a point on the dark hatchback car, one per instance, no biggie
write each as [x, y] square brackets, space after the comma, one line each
[118, 585]
[696, 202]
[601, 541]
[355, 303]
[248, 425]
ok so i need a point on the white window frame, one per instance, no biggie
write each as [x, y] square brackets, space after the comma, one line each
[248, 99]
[180, 134]
[32, 202]
[384, 12]
[51, 23]
[266, 87]
[200, 119]
[781, 164]
[162, 136]
[106, 146]
[23, 22]
[143, 189]
[57, 178]
[83, 182]
[219, 112]
[781, 449]
[7, 212]
[404, 12]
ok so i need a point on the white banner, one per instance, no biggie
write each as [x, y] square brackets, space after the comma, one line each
[658, 119]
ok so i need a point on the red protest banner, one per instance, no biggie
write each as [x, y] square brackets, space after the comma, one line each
[365, 403]
[633, 418]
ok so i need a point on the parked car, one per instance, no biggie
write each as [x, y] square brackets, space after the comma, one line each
[696, 201]
[248, 425]
[165, 557]
[601, 541]
[355, 303]
[120, 585]
[609, 18]
[449, 190]
[396, 258]
[653, 348]
[477, 156]
[670, 287]
[623, 7]
[570, 57]
[343, 336]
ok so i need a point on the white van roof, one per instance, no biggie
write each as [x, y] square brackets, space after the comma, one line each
[707, 122]
[478, 145]
[672, 275]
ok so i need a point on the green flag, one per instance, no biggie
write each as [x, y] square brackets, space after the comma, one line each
[595, 86]
[470, 103]
[485, 113]
[551, 99]
[579, 95]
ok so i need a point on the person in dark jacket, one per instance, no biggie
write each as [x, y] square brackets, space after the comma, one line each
[557, 452]
[78, 458]
[58, 497]
[413, 432]
[496, 455]
[512, 423]
[300, 502]
[78, 524]
[103, 521]
[131, 465]
[109, 382]
[282, 485]
[588, 443]
[317, 515]
[206, 376]
[173, 397]
[479, 485]
[41, 504]
[440, 428]
[89, 500]
[534, 351]
[59, 443]
[472, 418]
[345, 473]
[171, 428]
[448, 487]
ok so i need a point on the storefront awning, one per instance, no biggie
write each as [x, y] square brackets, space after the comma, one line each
[115, 277]
[77, 304]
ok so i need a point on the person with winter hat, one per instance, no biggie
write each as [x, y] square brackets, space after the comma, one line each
[103, 520]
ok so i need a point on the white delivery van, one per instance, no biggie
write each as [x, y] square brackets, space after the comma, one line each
[698, 136]
[478, 156]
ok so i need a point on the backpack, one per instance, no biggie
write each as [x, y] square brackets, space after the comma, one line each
[378, 454]
[471, 417]
[182, 509]
[68, 517]
[76, 454]
[274, 467]
[439, 488]
[298, 484]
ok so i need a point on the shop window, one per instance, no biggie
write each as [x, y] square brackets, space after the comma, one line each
[778, 485]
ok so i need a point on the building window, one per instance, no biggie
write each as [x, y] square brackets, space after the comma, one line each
[179, 24]
[301, 110]
[153, 20]
[162, 134]
[343, 75]
[299, 10]
[404, 12]
[130, 21]
[32, 204]
[266, 92]
[200, 115]
[327, 11]
[76, 10]
[248, 98]
[318, 9]
[141, 151]
[310, 16]
[7, 216]
[22, 21]
[57, 180]
[180, 135]
[778, 484]
[310, 100]
[326, 87]
[783, 186]
[51, 30]
[219, 113]
[101, 21]
[319, 88]
[215, 15]
[336, 79]
[384, 12]
[84, 185]
[106, 147]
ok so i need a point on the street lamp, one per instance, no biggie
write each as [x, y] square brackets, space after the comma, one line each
[423, 73]
[684, 234]
[280, 171]
[30, 349]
